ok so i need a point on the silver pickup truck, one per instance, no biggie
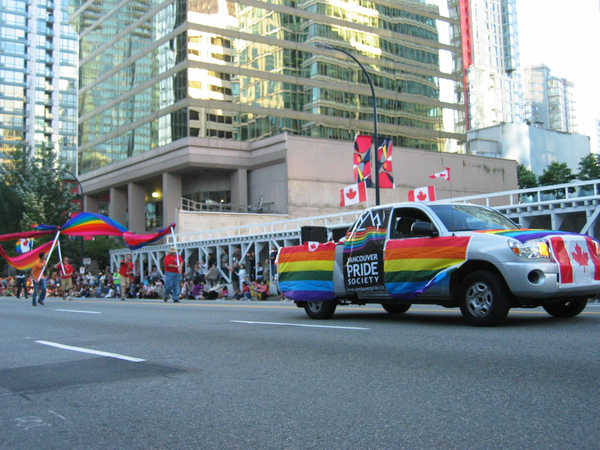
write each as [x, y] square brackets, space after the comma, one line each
[453, 255]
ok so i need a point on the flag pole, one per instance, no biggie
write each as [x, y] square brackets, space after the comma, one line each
[175, 245]
[48, 257]
[60, 256]
[174, 238]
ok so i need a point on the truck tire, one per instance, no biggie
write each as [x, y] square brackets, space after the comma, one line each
[566, 307]
[320, 310]
[484, 299]
[396, 308]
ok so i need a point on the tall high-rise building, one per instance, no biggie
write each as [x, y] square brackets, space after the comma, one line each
[196, 79]
[494, 93]
[155, 72]
[549, 100]
[38, 78]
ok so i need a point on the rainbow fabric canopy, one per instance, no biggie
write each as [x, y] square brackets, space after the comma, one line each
[83, 224]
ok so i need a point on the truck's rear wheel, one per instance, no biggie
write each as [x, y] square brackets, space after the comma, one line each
[566, 308]
[396, 308]
[484, 299]
[320, 310]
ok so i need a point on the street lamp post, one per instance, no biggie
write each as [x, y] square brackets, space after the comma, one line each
[375, 135]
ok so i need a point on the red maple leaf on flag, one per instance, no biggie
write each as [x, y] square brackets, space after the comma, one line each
[581, 258]
[313, 246]
[421, 196]
[351, 194]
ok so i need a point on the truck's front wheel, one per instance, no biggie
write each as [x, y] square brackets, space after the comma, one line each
[484, 299]
[320, 310]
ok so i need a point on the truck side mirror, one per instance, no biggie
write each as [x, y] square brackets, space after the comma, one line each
[423, 229]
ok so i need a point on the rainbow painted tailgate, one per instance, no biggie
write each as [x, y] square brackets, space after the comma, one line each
[305, 272]
[413, 265]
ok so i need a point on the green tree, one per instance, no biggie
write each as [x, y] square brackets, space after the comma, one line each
[32, 190]
[37, 184]
[557, 173]
[11, 210]
[526, 178]
[589, 167]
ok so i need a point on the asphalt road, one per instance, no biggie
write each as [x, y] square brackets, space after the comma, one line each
[104, 374]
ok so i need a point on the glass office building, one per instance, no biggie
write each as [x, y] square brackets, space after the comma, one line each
[495, 93]
[38, 78]
[549, 100]
[153, 72]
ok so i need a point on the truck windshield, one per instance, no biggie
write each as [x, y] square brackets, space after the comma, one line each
[472, 217]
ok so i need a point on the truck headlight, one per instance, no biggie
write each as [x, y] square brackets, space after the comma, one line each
[535, 248]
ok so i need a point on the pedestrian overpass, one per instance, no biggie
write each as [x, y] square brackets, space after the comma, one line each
[565, 207]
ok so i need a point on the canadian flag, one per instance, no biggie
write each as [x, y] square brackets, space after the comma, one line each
[312, 246]
[422, 194]
[355, 193]
[445, 174]
[577, 259]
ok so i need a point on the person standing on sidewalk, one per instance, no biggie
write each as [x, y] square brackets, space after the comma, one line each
[22, 283]
[39, 279]
[65, 270]
[173, 267]
[117, 283]
[126, 271]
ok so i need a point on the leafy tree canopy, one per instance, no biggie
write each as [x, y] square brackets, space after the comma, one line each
[556, 173]
[526, 178]
[37, 186]
[589, 167]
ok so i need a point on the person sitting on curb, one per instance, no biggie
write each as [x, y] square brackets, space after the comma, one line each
[262, 290]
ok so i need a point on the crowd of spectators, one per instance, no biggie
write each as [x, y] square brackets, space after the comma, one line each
[201, 281]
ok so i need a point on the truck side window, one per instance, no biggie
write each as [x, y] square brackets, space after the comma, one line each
[403, 226]
[403, 220]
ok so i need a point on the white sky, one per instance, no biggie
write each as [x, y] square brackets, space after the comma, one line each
[565, 36]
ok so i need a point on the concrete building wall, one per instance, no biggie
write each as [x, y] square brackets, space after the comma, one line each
[318, 170]
[534, 147]
[194, 225]
[270, 183]
[300, 176]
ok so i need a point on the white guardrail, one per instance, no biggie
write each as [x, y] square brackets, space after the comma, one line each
[576, 194]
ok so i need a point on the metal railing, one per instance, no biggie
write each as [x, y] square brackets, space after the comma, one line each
[570, 195]
[213, 206]
[579, 191]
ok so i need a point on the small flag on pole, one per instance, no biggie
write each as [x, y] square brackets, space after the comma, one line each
[445, 174]
[355, 193]
[422, 194]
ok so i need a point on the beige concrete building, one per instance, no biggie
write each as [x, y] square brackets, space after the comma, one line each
[289, 176]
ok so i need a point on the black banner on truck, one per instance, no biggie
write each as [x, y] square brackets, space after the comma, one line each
[363, 253]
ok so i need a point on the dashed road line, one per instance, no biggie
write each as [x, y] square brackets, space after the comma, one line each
[297, 325]
[78, 311]
[93, 352]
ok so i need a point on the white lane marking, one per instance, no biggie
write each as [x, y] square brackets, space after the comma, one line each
[296, 325]
[78, 311]
[93, 352]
